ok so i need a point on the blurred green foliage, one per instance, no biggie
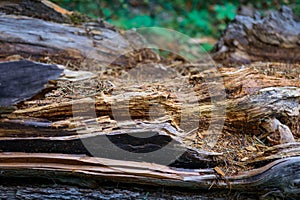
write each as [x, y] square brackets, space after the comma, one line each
[195, 18]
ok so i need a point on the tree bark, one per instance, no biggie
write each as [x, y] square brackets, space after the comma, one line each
[274, 37]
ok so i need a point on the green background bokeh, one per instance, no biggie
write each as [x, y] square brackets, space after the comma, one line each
[194, 18]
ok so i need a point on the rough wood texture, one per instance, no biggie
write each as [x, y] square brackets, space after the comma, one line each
[17, 82]
[91, 45]
[281, 177]
[45, 137]
[274, 37]
[46, 10]
[251, 102]
[254, 145]
[113, 191]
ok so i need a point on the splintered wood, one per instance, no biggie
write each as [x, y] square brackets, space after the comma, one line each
[232, 126]
[273, 37]
[257, 106]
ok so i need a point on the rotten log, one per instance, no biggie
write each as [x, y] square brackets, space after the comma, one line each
[17, 82]
[280, 176]
[90, 44]
[274, 37]
[46, 137]
[67, 135]
[47, 10]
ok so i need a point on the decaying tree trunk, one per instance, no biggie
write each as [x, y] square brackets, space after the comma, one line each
[14, 90]
[274, 37]
[246, 136]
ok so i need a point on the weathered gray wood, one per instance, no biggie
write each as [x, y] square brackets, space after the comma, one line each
[42, 137]
[114, 191]
[70, 45]
[280, 177]
[46, 10]
[254, 38]
[20, 80]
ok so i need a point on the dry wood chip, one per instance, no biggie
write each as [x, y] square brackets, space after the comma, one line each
[244, 159]
[250, 148]
[219, 171]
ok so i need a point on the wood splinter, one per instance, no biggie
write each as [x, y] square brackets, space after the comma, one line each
[275, 128]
